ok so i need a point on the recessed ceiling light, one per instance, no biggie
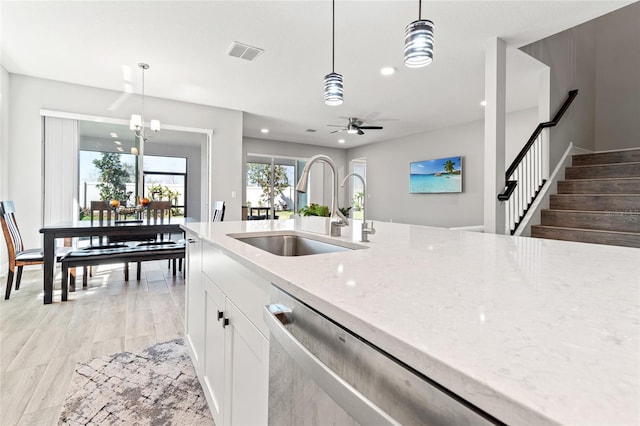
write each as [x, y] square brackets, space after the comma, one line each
[120, 149]
[341, 140]
[483, 103]
[114, 135]
[265, 130]
[387, 70]
[117, 142]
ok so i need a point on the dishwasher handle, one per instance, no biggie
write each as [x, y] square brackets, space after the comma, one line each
[350, 399]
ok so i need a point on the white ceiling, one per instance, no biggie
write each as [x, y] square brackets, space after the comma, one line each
[92, 43]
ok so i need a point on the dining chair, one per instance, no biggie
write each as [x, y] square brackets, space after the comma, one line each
[218, 211]
[101, 214]
[18, 256]
[104, 213]
[157, 213]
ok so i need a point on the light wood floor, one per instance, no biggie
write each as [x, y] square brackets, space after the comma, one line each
[41, 344]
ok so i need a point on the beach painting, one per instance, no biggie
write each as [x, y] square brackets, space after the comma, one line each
[436, 176]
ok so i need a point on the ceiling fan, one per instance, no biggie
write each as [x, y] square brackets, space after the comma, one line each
[355, 126]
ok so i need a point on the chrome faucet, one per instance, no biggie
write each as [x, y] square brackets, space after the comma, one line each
[365, 227]
[338, 220]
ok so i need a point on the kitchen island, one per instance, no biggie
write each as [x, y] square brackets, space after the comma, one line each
[531, 331]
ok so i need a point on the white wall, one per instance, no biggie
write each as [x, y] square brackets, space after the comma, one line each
[388, 172]
[388, 197]
[601, 59]
[617, 113]
[29, 95]
[519, 127]
[570, 56]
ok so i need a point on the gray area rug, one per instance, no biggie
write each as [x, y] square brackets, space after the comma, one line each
[153, 386]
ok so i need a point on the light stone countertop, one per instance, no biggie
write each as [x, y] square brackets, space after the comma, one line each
[532, 331]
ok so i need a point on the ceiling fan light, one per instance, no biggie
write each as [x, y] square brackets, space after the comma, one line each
[418, 43]
[333, 89]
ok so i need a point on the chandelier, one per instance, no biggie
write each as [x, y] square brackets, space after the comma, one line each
[137, 120]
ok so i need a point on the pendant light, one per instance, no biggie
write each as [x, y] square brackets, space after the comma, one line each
[333, 85]
[137, 120]
[418, 42]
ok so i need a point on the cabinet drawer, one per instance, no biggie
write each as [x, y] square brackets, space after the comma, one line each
[246, 289]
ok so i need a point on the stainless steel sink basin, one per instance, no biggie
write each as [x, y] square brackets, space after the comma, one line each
[293, 244]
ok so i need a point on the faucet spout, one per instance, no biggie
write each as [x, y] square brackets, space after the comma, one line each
[338, 220]
[365, 228]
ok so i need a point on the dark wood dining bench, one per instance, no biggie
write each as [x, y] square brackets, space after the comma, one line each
[140, 253]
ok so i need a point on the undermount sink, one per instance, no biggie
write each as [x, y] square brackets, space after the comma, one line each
[293, 244]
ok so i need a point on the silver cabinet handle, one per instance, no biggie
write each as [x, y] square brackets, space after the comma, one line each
[350, 399]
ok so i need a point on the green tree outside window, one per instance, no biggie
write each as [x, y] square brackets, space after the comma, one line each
[113, 177]
[260, 174]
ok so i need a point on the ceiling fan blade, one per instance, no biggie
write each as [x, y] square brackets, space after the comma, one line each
[335, 125]
[360, 132]
[370, 127]
[338, 131]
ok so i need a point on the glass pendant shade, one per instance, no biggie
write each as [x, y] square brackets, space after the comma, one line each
[154, 125]
[418, 43]
[136, 122]
[333, 89]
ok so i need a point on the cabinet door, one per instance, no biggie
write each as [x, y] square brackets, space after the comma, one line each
[247, 372]
[215, 349]
[194, 306]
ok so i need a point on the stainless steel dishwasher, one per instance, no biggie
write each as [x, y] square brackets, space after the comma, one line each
[322, 374]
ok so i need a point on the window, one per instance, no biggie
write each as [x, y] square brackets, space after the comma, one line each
[356, 190]
[166, 178]
[93, 164]
[270, 187]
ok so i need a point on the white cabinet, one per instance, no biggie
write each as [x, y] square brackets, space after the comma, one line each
[215, 349]
[248, 372]
[234, 353]
[194, 302]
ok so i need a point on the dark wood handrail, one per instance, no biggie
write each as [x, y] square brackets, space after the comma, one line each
[556, 119]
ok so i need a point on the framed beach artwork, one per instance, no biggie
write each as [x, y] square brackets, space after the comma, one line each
[437, 176]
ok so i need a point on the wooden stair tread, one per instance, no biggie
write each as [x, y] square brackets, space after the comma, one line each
[596, 194]
[565, 228]
[621, 221]
[616, 170]
[625, 185]
[603, 179]
[567, 211]
[615, 156]
[590, 236]
[605, 164]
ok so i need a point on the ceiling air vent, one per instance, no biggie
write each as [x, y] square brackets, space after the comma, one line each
[310, 131]
[243, 51]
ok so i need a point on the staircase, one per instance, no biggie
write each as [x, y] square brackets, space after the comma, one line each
[599, 202]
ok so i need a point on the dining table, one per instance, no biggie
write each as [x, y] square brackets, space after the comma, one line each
[86, 228]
